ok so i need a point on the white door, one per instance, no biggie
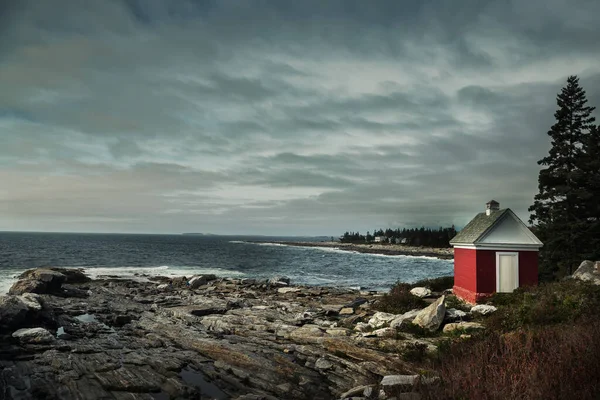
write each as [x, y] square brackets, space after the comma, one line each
[507, 272]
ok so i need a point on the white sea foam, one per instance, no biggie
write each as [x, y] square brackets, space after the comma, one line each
[273, 244]
[237, 241]
[163, 270]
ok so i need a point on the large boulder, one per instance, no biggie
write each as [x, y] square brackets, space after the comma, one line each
[380, 319]
[408, 316]
[13, 311]
[41, 280]
[33, 336]
[432, 317]
[588, 271]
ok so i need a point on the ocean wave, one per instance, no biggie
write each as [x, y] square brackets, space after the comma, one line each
[273, 244]
[237, 241]
[163, 270]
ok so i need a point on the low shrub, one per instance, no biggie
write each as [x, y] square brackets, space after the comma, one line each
[399, 300]
[547, 304]
[436, 284]
[555, 362]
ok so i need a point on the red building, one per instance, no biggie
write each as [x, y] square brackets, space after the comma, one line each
[495, 252]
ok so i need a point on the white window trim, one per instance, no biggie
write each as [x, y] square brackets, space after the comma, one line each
[505, 253]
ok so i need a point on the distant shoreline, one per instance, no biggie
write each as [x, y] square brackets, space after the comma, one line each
[372, 248]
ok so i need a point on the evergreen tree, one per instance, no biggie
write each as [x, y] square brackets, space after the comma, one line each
[557, 210]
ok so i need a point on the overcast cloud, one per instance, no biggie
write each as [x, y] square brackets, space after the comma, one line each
[279, 117]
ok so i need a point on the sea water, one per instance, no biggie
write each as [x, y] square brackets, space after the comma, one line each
[131, 256]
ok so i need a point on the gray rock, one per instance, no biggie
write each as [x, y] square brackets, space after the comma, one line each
[462, 326]
[453, 314]
[13, 311]
[323, 364]
[432, 317]
[358, 391]
[588, 271]
[41, 280]
[33, 335]
[399, 383]
[483, 309]
[420, 292]
[196, 281]
[380, 319]
[404, 318]
[279, 281]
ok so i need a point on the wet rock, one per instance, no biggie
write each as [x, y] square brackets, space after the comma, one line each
[33, 336]
[483, 309]
[432, 316]
[279, 281]
[420, 292]
[462, 326]
[13, 312]
[41, 280]
[199, 280]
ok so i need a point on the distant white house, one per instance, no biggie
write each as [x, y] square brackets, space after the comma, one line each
[379, 239]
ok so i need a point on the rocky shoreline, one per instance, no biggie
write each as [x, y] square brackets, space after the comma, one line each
[374, 248]
[65, 336]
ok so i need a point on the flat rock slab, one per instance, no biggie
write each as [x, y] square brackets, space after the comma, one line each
[33, 335]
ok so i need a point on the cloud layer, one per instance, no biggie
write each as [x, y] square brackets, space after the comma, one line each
[277, 117]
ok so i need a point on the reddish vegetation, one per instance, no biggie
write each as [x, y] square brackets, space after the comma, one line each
[559, 362]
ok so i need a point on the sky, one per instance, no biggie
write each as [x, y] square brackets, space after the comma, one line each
[280, 117]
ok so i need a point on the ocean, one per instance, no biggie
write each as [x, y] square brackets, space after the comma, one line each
[131, 255]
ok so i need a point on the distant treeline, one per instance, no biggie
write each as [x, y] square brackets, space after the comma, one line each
[414, 237]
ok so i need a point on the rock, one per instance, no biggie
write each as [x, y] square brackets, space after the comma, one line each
[347, 311]
[380, 319]
[406, 317]
[483, 309]
[41, 280]
[384, 332]
[358, 391]
[32, 301]
[279, 281]
[454, 314]
[199, 280]
[338, 332]
[432, 317]
[363, 327]
[164, 286]
[462, 326]
[588, 271]
[323, 364]
[420, 292]
[13, 311]
[306, 331]
[284, 290]
[33, 336]
[356, 303]
[394, 383]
